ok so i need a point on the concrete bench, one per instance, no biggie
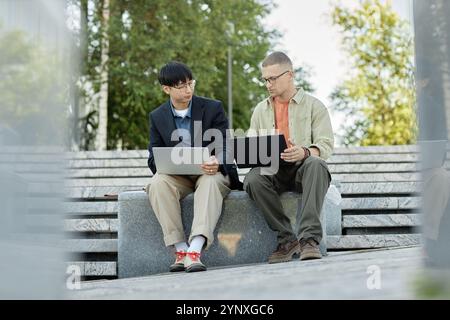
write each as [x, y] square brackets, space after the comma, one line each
[380, 187]
[242, 235]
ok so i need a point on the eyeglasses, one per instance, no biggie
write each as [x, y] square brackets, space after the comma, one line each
[190, 84]
[271, 80]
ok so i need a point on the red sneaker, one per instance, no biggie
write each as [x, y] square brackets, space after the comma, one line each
[192, 262]
[179, 262]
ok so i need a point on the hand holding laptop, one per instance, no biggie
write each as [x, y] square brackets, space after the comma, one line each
[293, 154]
[211, 167]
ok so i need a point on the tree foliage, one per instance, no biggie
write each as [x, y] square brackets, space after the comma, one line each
[302, 76]
[146, 34]
[379, 92]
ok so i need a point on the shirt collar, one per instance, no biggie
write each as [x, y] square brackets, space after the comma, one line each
[299, 95]
[188, 114]
[296, 98]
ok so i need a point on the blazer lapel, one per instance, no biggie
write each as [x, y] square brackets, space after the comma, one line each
[169, 125]
[197, 116]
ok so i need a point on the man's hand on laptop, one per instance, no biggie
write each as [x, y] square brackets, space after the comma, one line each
[211, 167]
[293, 154]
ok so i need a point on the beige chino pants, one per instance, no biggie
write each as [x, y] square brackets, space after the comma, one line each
[166, 191]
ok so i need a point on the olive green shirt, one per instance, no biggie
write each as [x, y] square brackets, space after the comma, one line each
[309, 122]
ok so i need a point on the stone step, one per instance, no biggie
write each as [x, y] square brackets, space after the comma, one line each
[111, 225]
[377, 149]
[373, 158]
[143, 154]
[373, 203]
[108, 182]
[380, 188]
[335, 159]
[91, 225]
[93, 268]
[334, 168]
[388, 168]
[333, 242]
[381, 220]
[380, 149]
[373, 167]
[379, 167]
[112, 154]
[142, 163]
[380, 203]
[343, 177]
[377, 177]
[346, 189]
[108, 172]
[127, 154]
[96, 192]
[108, 163]
[33, 151]
[349, 242]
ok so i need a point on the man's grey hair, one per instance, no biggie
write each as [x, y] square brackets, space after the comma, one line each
[277, 57]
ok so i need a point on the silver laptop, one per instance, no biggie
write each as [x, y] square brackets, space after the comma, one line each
[180, 160]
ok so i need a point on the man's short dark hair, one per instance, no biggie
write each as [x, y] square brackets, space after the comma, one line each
[174, 73]
[277, 57]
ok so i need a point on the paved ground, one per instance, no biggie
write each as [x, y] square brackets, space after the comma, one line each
[341, 275]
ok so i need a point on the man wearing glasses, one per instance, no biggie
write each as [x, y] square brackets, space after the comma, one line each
[179, 114]
[306, 125]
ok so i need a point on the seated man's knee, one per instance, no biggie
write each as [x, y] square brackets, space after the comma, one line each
[253, 179]
[314, 165]
[158, 182]
[316, 162]
[209, 179]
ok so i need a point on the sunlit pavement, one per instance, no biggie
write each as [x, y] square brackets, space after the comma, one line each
[370, 274]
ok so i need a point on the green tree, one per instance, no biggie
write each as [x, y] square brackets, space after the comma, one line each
[145, 34]
[302, 76]
[379, 93]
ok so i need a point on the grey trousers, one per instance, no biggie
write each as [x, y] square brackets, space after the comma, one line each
[311, 178]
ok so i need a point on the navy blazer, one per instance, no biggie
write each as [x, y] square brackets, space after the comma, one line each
[209, 112]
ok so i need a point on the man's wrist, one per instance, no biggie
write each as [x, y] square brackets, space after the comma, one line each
[314, 151]
[307, 153]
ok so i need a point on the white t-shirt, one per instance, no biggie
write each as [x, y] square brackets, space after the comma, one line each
[181, 113]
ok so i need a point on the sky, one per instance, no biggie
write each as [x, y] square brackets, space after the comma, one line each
[309, 38]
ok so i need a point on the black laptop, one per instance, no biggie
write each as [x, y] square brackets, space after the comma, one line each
[259, 151]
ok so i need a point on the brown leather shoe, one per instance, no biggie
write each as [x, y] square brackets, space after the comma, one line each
[284, 252]
[309, 249]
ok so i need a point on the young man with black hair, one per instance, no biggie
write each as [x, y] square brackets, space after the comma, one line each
[183, 114]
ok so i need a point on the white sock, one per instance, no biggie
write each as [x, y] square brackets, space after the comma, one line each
[181, 246]
[197, 244]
